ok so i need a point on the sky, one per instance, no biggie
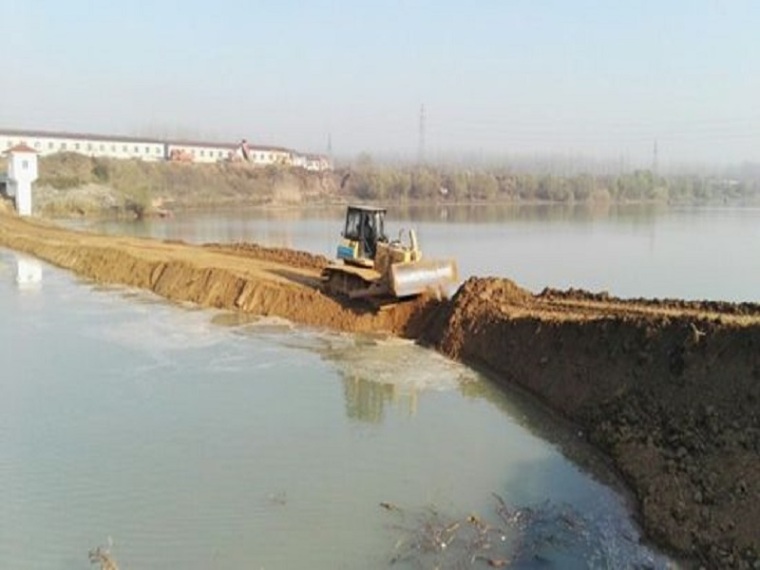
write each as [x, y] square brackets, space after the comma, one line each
[598, 79]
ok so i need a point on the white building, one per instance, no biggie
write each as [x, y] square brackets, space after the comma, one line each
[257, 155]
[189, 151]
[22, 171]
[267, 155]
[312, 162]
[317, 163]
[47, 143]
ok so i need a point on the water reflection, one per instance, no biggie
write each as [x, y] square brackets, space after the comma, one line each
[380, 374]
[284, 218]
[232, 444]
[379, 371]
[28, 273]
[366, 399]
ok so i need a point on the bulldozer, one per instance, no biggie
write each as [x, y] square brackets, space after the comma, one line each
[369, 265]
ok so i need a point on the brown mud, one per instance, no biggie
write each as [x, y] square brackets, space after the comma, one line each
[247, 278]
[668, 389]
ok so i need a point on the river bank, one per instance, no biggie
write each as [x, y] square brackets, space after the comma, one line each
[625, 372]
[668, 389]
[74, 185]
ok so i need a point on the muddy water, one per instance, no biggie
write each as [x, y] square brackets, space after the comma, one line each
[199, 440]
[629, 251]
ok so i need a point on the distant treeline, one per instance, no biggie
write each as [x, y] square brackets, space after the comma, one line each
[368, 181]
[80, 184]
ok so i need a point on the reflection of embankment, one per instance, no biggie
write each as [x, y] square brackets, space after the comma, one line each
[670, 390]
[366, 399]
[380, 372]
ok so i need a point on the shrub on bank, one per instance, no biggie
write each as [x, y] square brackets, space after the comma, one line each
[139, 186]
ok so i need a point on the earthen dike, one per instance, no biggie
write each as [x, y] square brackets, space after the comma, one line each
[669, 390]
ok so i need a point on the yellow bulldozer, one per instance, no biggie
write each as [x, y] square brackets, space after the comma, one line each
[370, 265]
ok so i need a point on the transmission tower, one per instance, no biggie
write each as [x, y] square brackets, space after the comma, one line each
[421, 148]
[655, 160]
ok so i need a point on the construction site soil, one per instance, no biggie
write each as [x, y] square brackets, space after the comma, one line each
[669, 390]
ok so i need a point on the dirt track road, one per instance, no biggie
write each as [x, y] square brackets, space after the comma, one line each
[670, 390]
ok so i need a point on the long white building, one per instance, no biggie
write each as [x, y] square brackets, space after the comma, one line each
[47, 143]
[122, 147]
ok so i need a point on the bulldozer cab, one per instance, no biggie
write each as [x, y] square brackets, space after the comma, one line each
[371, 266]
[365, 225]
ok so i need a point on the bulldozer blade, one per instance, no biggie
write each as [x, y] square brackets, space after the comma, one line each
[418, 277]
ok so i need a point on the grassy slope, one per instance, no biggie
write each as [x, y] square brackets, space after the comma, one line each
[73, 184]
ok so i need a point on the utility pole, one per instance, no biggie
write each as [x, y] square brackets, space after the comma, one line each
[421, 148]
[329, 145]
[655, 161]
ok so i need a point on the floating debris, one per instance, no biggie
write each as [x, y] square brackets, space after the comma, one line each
[280, 498]
[102, 555]
[547, 535]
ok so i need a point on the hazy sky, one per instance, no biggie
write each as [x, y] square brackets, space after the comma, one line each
[603, 78]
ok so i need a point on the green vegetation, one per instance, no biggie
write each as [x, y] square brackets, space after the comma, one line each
[425, 183]
[72, 184]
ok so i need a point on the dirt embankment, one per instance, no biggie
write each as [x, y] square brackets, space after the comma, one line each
[248, 278]
[670, 390]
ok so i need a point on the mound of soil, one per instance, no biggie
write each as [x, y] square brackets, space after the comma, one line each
[670, 390]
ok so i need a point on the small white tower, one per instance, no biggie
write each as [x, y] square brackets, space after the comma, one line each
[22, 171]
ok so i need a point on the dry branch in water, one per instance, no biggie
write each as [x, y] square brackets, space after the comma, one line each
[102, 555]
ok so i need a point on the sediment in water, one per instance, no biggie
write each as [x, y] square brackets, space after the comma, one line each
[670, 390]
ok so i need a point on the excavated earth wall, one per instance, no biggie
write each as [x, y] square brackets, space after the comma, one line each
[670, 390]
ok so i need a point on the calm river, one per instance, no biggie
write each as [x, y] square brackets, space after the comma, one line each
[195, 439]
